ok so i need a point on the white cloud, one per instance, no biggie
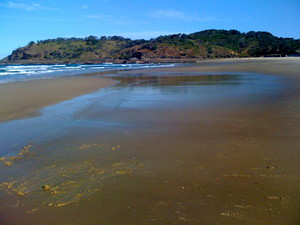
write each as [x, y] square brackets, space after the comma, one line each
[84, 7]
[28, 7]
[180, 15]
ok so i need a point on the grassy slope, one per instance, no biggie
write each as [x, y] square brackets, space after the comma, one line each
[204, 44]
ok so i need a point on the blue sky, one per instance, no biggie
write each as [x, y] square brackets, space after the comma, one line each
[22, 21]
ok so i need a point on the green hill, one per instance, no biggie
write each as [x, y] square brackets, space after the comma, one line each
[199, 45]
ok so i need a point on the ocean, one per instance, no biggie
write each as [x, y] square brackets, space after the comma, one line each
[13, 73]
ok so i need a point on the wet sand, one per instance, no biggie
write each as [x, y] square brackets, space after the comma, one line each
[23, 99]
[197, 144]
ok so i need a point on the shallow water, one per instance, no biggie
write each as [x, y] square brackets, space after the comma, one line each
[158, 148]
[137, 95]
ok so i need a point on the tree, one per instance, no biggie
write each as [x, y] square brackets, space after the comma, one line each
[91, 40]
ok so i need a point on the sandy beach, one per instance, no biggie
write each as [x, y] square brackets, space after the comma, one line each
[214, 142]
[23, 99]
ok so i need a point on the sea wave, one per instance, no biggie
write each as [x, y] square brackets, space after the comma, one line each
[11, 73]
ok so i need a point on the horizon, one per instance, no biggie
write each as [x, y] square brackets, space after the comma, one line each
[24, 21]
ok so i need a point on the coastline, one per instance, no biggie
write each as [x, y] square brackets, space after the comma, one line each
[16, 101]
[234, 160]
[24, 99]
[136, 61]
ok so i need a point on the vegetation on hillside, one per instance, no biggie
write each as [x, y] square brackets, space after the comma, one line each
[204, 44]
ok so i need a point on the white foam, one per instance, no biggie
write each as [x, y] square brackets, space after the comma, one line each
[58, 65]
[24, 72]
[73, 67]
[4, 73]
[100, 67]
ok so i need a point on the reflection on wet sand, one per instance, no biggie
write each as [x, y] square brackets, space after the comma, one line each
[179, 79]
[160, 148]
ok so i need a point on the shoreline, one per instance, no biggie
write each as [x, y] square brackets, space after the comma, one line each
[288, 69]
[17, 103]
[159, 60]
[25, 98]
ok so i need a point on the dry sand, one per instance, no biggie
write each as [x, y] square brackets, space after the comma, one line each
[23, 99]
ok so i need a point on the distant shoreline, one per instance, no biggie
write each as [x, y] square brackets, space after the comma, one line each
[46, 62]
[163, 60]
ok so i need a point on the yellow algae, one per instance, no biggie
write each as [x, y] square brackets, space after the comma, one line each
[25, 150]
[97, 170]
[117, 164]
[78, 196]
[276, 198]
[15, 158]
[60, 204]
[46, 168]
[121, 172]
[14, 188]
[32, 211]
[234, 215]
[2, 159]
[20, 193]
[114, 148]
[101, 171]
[8, 163]
[272, 197]
[22, 153]
[88, 146]
[27, 147]
[7, 185]
[72, 182]
[46, 187]
[243, 206]
[52, 190]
